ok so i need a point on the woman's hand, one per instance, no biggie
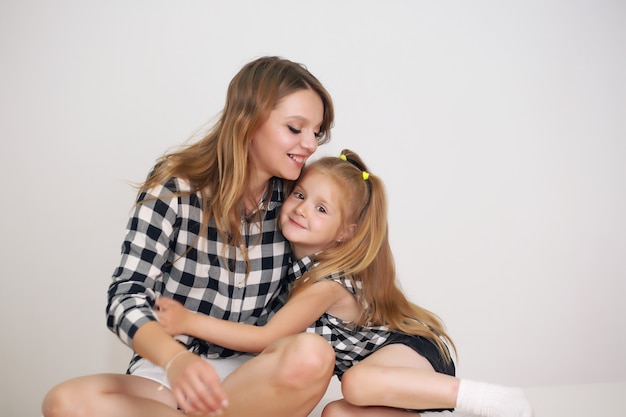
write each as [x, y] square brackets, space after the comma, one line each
[195, 384]
[173, 316]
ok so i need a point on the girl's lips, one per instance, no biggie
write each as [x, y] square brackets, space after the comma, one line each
[295, 223]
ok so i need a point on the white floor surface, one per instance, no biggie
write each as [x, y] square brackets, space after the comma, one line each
[588, 400]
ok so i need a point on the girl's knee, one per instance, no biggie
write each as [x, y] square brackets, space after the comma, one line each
[352, 387]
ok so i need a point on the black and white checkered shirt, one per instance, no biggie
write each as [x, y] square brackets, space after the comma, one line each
[209, 278]
[351, 343]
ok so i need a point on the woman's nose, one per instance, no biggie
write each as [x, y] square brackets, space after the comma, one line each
[309, 142]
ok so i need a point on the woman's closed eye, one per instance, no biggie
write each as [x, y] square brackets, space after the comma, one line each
[318, 135]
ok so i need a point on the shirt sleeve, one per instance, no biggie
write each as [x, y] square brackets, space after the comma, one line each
[146, 256]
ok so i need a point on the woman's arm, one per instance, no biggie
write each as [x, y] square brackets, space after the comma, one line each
[294, 317]
[135, 282]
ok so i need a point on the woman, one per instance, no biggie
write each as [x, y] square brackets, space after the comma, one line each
[203, 232]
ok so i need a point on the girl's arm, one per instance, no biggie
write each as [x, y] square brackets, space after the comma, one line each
[294, 317]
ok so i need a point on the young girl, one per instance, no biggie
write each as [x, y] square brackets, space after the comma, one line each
[391, 355]
[203, 232]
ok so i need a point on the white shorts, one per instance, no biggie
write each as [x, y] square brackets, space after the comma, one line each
[223, 366]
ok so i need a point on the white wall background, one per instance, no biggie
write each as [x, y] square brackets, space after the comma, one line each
[498, 126]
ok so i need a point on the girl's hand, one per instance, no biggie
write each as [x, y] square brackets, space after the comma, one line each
[173, 316]
[195, 384]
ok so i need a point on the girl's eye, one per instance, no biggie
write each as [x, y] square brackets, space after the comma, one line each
[294, 130]
[318, 135]
[298, 195]
[321, 209]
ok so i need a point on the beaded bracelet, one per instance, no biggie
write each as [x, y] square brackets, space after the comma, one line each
[171, 361]
[168, 365]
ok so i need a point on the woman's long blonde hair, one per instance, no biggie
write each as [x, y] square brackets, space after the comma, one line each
[217, 165]
[366, 258]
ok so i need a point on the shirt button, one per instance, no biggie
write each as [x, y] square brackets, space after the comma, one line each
[240, 284]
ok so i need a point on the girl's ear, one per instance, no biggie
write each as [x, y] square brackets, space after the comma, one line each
[346, 233]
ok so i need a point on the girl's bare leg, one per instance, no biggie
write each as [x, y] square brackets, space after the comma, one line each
[341, 408]
[286, 380]
[106, 395]
[397, 376]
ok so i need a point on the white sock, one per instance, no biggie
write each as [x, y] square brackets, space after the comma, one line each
[488, 400]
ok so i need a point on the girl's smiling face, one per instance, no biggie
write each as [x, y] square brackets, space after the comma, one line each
[312, 216]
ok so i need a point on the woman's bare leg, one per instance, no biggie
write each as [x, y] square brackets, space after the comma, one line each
[106, 395]
[286, 380]
[341, 408]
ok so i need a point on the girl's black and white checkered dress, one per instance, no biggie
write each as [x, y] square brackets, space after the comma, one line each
[352, 343]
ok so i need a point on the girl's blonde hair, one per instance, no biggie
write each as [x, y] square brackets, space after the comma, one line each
[217, 165]
[366, 257]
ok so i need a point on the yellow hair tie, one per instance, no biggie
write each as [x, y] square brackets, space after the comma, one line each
[365, 174]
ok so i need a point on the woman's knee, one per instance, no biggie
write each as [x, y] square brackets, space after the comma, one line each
[312, 352]
[306, 358]
[93, 395]
[65, 400]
